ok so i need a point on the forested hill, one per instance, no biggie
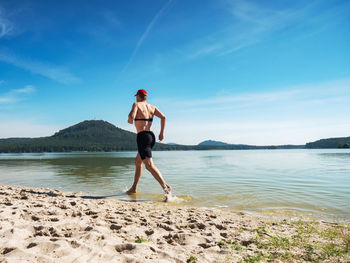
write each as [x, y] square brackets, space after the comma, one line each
[213, 143]
[98, 135]
[341, 142]
[94, 135]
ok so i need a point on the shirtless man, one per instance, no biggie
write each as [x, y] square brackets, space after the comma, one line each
[141, 115]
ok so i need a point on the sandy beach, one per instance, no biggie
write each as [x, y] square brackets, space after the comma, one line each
[46, 225]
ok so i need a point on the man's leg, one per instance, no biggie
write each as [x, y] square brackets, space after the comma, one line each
[138, 172]
[156, 174]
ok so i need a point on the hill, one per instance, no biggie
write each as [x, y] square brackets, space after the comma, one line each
[212, 143]
[340, 142]
[93, 135]
[99, 135]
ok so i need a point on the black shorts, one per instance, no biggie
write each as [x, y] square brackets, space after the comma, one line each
[145, 143]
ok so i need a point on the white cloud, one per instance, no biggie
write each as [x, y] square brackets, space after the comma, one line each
[16, 95]
[253, 22]
[147, 31]
[248, 98]
[111, 18]
[6, 100]
[56, 73]
[53, 72]
[329, 91]
[27, 89]
[205, 50]
[25, 128]
[250, 24]
[6, 26]
[103, 27]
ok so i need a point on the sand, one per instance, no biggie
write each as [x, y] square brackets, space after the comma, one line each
[45, 225]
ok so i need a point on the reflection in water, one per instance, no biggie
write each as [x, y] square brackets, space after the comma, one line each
[93, 174]
[90, 169]
[335, 155]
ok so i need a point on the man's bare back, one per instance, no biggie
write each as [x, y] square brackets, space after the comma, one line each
[143, 110]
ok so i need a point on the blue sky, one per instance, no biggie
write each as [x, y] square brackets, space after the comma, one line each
[254, 72]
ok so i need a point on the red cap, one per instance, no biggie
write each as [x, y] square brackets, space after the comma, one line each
[141, 92]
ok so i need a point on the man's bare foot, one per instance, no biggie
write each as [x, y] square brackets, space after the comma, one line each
[167, 193]
[167, 189]
[131, 191]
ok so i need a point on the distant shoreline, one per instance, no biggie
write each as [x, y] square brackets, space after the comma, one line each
[172, 150]
[102, 136]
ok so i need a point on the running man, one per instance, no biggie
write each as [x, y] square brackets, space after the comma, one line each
[141, 115]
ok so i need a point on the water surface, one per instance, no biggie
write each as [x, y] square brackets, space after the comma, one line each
[280, 182]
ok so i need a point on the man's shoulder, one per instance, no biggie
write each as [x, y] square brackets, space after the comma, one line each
[154, 108]
[151, 106]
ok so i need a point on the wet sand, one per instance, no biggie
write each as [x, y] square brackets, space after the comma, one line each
[45, 225]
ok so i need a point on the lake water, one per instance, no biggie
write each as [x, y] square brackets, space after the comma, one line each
[314, 183]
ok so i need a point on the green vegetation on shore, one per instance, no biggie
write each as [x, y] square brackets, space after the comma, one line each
[305, 241]
[92, 136]
[341, 142]
[102, 136]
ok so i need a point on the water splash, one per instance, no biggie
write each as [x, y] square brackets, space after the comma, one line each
[125, 189]
[169, 198]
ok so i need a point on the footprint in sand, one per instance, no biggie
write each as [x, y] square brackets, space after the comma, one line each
[7, 250]
[89, 228]
[35, 218]
[32, 245]
[220, 227]
[89, 212]
[53, 232]
[123, 247]
[206, 245]
[200, 226]
[74, 244]
[63, 207]
[223, 234]
[38, 228]
[115, 227]
[149, 232]
[69, 234]
[165, 227]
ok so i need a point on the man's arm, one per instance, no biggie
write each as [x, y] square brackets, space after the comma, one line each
[132, 114]
[162, 123]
